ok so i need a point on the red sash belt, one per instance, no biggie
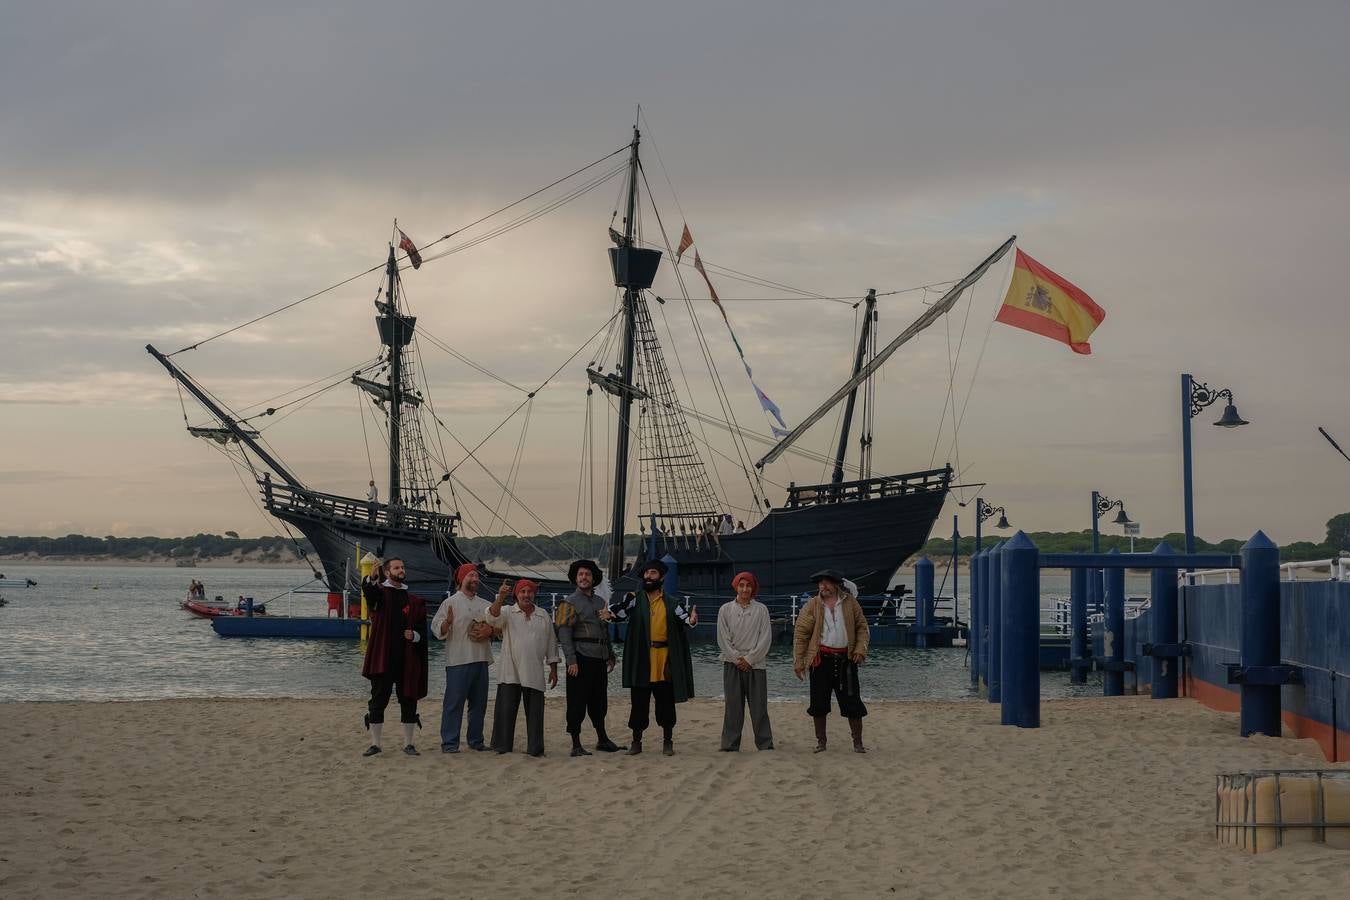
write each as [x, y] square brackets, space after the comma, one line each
[828, 651]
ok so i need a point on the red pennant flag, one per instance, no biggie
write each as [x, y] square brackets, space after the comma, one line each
[712, 291]
[686, 241]
[406, 245]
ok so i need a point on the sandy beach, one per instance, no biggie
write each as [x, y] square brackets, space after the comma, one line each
[271, 798]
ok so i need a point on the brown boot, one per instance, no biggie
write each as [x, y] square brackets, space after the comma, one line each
[855, 726]
[820, 733]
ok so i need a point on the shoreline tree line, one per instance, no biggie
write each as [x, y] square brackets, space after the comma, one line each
[535, 549]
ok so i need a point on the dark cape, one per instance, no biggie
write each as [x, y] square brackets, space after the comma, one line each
[393, 610]
[637, 660]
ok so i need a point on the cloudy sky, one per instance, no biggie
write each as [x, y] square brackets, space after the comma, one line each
[168, 170]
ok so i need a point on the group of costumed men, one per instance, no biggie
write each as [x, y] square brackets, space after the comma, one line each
[830, 641]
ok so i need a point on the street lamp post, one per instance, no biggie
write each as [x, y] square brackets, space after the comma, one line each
[1101, 505]
[984, 511]
[1195, 396]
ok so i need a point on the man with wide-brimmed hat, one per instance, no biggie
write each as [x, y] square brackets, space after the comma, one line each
[461, 621]
[656, 661]
[831, 640]
[582, 630]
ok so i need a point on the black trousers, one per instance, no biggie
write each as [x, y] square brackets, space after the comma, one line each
[587, 695]
[381, 686]
[505, 711]
[838, 675]
[640, 717]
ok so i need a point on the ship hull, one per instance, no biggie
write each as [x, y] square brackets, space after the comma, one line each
[867, 536]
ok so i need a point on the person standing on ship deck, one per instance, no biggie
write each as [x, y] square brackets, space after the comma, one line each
[656, 659]
[461, 623]
[396, 652]
[528, 642]
[580, 622]
[743, 636]
[831, 640]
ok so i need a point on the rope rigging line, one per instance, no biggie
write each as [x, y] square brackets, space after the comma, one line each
[719, 389]
[527, 218]
[340, 373]
[541, 386]
[381, 265]
[979, 359]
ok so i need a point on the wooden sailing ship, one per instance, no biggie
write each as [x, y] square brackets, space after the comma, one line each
[865, 526]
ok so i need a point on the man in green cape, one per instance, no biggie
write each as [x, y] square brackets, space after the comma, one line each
[656, 660]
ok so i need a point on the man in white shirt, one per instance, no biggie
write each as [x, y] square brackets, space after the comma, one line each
[461, 621]
[831, 640]
[528, 642]
[743, 636]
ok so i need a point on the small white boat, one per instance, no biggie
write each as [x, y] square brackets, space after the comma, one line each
[17, 582]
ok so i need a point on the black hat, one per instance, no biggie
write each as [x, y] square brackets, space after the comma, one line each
[596, 575]
[656, 564]
[828, 575]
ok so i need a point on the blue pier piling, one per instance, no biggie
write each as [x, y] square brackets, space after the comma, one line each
[1079, 657]
[973, 629]
[985, 592]
[923, 602]
[1020, 628]
[1113, 643]
[994, 674]
[1260, 647]
[1165, 651]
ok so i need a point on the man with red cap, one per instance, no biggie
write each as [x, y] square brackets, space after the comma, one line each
[743, 636]
[462, 623]
[528, 642]
[396, 653]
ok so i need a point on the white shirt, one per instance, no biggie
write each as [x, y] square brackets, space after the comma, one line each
[832, 631]
[372, 493]
[743, 631]
[459, 649]
[527, 644]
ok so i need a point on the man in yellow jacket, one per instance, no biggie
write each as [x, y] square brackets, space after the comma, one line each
[830, 641]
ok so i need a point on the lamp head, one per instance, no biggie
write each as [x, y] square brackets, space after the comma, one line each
[1002, 522]
[1230, 418]
[1121, 518]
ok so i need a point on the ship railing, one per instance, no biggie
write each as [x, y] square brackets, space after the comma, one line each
[1203, 576]
[868, 488]
[332, 507]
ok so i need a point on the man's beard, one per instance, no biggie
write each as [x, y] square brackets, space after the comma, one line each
[653, 585]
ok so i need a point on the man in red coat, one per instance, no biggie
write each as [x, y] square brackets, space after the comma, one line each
[396, 652]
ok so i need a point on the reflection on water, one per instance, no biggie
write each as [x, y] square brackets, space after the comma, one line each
[116, 633]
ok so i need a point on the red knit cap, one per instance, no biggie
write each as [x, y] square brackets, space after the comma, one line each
[462, 571]
[754, 582]
[524, 582]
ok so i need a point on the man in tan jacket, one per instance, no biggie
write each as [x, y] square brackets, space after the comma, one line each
[831, 641]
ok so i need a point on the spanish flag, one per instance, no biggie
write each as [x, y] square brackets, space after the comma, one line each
[1041, 301]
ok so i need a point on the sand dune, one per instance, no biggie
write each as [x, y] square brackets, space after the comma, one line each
[222, 798]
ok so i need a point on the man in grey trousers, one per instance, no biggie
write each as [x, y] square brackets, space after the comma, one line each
[743, 636]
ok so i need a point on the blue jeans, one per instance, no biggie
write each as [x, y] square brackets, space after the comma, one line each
[467, 682]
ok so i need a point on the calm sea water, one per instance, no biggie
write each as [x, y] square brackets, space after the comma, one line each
[116, 633]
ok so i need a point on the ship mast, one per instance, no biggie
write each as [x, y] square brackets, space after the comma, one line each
[871, 313]
[396, 330]
[623, 277]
